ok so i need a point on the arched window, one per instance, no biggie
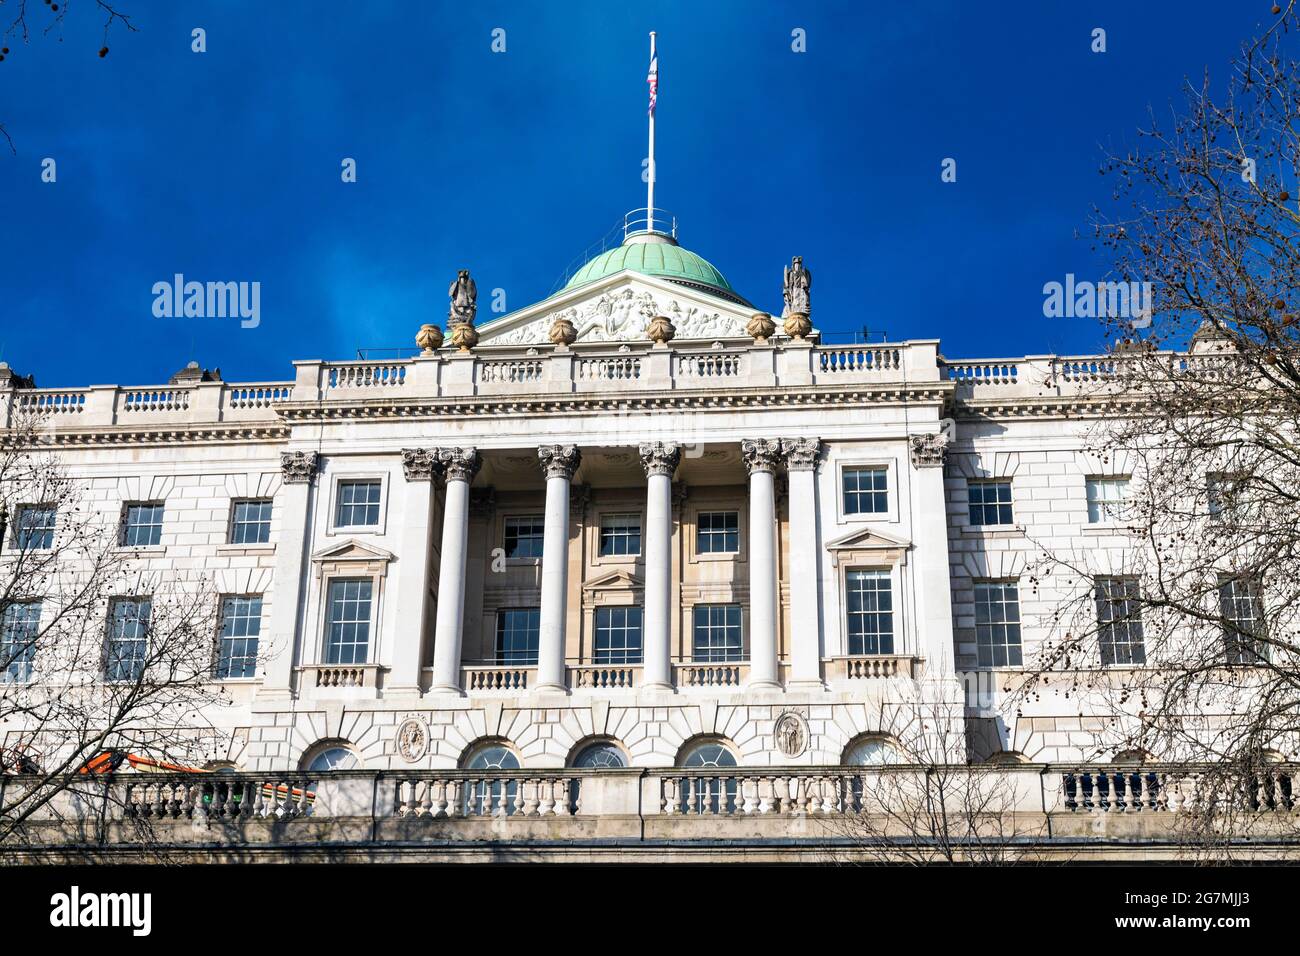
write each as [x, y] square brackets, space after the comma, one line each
[331, 757]
[600, 756]
[872, 751]
[707, 793]
[491, 795]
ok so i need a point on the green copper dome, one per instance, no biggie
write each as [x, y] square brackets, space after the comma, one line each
[666, 259]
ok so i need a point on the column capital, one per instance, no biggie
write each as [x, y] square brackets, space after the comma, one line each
[929, 451]
[801, 454]
[299, 467]
[559, 461]
[420, 464]
[459, 464]
[761, 454]
[660, 458]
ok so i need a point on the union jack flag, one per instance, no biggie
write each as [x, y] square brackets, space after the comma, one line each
[653, 79]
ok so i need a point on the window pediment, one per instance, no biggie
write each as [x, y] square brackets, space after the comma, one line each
[614, 580]
[868, 545]
[616, 587]
[353, 557]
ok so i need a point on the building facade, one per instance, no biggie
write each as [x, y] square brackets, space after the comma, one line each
[633, 525]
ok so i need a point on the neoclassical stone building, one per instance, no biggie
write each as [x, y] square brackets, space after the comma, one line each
[635, 524]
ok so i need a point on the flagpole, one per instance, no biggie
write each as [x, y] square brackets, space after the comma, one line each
[650, 179]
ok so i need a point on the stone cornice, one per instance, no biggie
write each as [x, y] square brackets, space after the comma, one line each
[924, 393]
[261, 432]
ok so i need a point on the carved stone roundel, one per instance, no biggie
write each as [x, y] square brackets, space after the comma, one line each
[412, 739]
[791, 732]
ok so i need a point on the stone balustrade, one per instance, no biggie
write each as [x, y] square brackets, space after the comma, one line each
[872, 667]
[480, 678]
[587, 368]
[490, 370]
[1100, 811]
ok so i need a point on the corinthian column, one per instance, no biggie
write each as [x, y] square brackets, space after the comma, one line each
[559, 462]
[761, 458]
[801, 456]
[459, 465]
[659, 461]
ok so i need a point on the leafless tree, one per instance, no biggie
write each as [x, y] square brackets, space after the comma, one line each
[924, 803]
[97, 654]
[19, 29]
[1180, 642]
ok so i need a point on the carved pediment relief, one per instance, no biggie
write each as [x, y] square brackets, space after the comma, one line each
[619, 310]
[869, 545]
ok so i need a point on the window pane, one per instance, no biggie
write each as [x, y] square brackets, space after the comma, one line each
[128, 638]
[1106, 498]
[143, 525]
[348, 627]
[1241, 604]
[19, 629]
[620, 534]
[716, 634]
[241, 623]
[36, 527]
[997, 624]
[251, 523]
[517, 630]
[1119, 622]
[870, 612]
[717, 532]
[524, 536]
[866, 490]
[989, 502]
[358, 504]
[618, 635]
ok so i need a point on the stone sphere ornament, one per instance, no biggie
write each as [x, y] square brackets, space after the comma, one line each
[797, 325]
[464, 336]
[761, 327]
[660, 330]
[563, 332]
[429, 338]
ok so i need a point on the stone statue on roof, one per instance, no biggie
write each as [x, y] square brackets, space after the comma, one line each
[464, 298]
[798, 288]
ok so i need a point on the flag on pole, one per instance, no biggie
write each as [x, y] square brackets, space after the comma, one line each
[653, 79]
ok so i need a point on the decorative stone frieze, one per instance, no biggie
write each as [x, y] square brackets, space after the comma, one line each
[928, 451]
[559, 461]
[299, 467]
[761, 454]
[420, 464]
[660, 458]
[459, 464]
[801, 454]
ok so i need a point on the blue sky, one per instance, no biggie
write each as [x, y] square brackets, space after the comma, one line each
[225, 165]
